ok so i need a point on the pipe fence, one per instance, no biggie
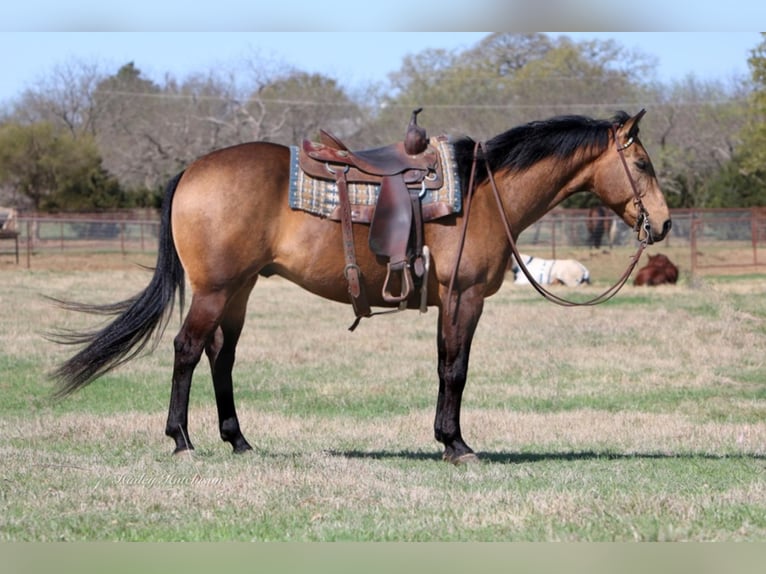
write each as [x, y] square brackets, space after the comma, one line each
[710, 239]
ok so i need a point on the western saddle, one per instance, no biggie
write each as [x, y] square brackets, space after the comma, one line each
[404, 171]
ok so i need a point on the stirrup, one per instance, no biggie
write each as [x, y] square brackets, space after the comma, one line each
[407, 283]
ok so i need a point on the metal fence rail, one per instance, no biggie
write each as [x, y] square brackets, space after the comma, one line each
[83, 234]
[711, 239]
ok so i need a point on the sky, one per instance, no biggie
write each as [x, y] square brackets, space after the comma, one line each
[352, 58]
[391, 15]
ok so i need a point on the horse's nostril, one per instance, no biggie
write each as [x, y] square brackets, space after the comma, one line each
[666, 227]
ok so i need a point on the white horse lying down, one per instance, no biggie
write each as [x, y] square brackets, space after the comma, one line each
[550, 271]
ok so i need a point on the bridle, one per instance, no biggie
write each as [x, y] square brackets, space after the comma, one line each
[642, 222]
[642, 219]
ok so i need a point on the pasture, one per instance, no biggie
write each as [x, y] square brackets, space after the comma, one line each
[640, 419]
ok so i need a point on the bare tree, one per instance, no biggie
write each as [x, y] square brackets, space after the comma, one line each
[65, 98]
[151, 131]
[694, 132]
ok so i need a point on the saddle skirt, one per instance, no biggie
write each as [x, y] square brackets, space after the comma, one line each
[319, 196]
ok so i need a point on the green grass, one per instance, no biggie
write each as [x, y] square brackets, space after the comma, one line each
[642, 419]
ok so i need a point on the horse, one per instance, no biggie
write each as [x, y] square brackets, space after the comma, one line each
[225, 222]
[658, 271]
[596, 224]
[569, 272]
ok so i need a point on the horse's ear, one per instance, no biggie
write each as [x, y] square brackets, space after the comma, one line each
[630, 127]
[627, 132]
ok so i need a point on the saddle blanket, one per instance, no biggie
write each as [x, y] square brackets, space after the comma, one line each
[320, 197]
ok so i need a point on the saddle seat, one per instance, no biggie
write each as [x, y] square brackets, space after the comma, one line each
[371, 165]
[392, 159]
[404, 170]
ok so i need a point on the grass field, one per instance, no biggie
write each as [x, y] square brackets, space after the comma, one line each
[641, 419]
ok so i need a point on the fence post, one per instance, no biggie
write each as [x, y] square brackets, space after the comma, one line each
[29, 243]
[754, 236]
[693, 243]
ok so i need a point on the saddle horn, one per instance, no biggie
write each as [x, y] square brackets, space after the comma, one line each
[415, 138]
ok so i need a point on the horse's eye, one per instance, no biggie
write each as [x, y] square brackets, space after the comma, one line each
[642, 164]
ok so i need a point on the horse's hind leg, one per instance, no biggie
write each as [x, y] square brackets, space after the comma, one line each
[197, 331]
[221, 352]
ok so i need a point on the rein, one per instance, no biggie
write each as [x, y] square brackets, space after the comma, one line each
[641, 221]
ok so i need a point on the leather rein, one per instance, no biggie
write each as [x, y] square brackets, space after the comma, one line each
[642, 221]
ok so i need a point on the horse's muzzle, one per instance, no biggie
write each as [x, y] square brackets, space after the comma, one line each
[665, 230]
[652, 236]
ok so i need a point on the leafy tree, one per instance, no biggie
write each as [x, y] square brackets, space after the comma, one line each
[53, 169]
[87, 189]
[751, 155]
[732, 187]
[508, 79]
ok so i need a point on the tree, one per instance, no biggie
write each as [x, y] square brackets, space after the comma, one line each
[128, 130]
[508, 79]
[732, 187]
[54, 170]
[751, 155]
[299, 104]
[152, 131]
[706, 138]
[65, 98]
[692, 136]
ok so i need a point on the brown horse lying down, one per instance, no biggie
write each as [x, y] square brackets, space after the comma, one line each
[657, 271]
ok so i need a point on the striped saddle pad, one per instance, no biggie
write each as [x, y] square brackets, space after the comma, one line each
[320, 196]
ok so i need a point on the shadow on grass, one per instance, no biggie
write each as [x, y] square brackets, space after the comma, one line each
[532, 457]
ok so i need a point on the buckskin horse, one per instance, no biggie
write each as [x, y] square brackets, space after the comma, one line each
[596, 224]
[226, 221]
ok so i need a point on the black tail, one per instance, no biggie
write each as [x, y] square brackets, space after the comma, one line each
[138, 318]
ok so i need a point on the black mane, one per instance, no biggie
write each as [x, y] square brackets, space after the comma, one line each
[523, 146]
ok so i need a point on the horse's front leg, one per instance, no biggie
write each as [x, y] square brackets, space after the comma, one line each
[458, 319]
